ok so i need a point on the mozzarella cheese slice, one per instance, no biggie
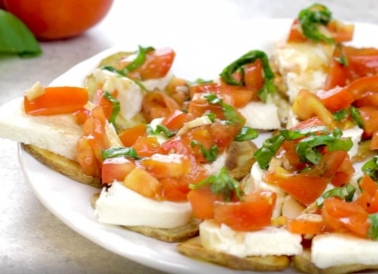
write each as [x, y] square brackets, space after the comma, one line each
[355, 133]
[121, 206]
[264, 242]
[261, 115]
[342, 249]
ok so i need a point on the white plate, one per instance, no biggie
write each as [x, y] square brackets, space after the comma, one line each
[203, 56]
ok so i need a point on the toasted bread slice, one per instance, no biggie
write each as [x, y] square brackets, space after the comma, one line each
[172, 235]
[193, 248]
[62, 165]
[303, 263]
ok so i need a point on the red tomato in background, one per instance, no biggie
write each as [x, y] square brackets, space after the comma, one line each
[51, 20]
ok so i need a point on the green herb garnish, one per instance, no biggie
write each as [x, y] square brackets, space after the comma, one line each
[246, 133]
[356, 116]
[222, 183]
[229, 111]
[373, 228]
[210, 155]
[340, 115]
[345, 193]
[160, 129]
[371, 168]
[114, 152]
[248, 58]
[116, 108]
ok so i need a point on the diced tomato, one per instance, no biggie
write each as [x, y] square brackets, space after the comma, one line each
[340, 216]
[361, 61]
[302, 226]
[344, 173]
[81, 115]
[202, 201]
[370, 99]
[162, 166]
[157, 64]
[253, 76]
[338, 74]
[307, 105]
[102, 101]
[369, 196]
[116, 169]
[295, 33]
[368, 185]
[241, 95]
[304, 188]
[252, 214]
[336, 99]
[174, 190]
[176, 145]
[309, 123]
[157, 104]
[363, 86]
[199, 106]
[57, 100]
[146, 146]
[129, 136]
[211, 87]
[178, 89]
[374, 141]
[223, 134]
[203, 136]
[86, 158]
[144, 183]
[369, 116]
[176, 120]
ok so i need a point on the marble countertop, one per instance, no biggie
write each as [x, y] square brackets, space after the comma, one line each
[33, 240]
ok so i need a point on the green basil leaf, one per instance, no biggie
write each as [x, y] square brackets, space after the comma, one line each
[340, 115]
[246, 133]
[16, 38]
[267, 151]
[114, 152]
[342, 59]
[116, 108]
[160, 129]
[222, 183]
[122, 74]
[200, 81]
[139, 59]
[371, 168]
[248, 58]
[211, 116]
[299, 133]
[345, 193]
[229, 111]
[311, 18]
[356, 116]
[373, 228]
[210, 155]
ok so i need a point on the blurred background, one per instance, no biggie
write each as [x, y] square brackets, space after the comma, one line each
[32, 240]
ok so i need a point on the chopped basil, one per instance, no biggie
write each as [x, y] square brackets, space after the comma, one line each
[340, 115]
[356, 116]
[373, 228]
[160, 129]
[311, 18]
[116, 108]
[371, 168]
[306, 148]
[345, 193]
[211, 116]
[342, 59]
[248, 58]
[16, 38]
[114, 152]
[222, 183]
[246, 133]
[229, 111]
[211, 154]
[200, 81]
[139, 60]
[120, 73]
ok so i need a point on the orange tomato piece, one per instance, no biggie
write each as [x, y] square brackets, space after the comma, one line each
[374, 141]
[144, 183]
[252, 214]
[363, 86]
[157, 104]
[336, 99]
[116, 169]
[176, 120]
[174, 190]
[368, 185]
[340, 216]
[162, 166]
[369, 116]
[129, 136]
[202, 201]
[301, 226]
[304, 188]
[57, 100]
[87, 158]
[146, 146]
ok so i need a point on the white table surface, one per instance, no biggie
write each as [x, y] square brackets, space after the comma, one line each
[32, 240]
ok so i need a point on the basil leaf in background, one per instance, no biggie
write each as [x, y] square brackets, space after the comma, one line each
[345, 193]
[246, 134]
[373, 228]
[116, 108]
[16, 38]
[114, 152]
[222, 183]
[210, 155]
[311, 18]
[248, 58]
[371, 168]
[356, 116]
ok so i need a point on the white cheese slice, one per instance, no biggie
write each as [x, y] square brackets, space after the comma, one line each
[216, 166]
[121, 206]
[199, 121]
[264, 242]
[302, 65]
[355, 133]
[333, 249]
[55, 133]
[261, 116]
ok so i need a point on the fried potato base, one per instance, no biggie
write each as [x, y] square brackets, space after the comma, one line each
[62, 165]
[303, 263]
[172, 235]
[193, 248]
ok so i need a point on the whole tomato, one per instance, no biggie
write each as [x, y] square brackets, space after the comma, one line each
[51, 20]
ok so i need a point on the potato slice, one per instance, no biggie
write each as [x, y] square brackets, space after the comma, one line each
[193, 248]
